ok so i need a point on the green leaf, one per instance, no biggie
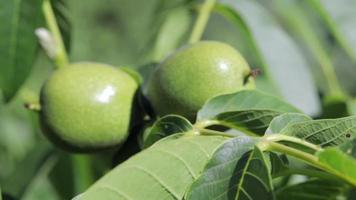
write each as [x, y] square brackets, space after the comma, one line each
[28, 168]
[283, 167]
[60, 9]
[349, 148]
[172, 32]
[282, 59]
[339, 163]
[248, 109]
[314, 189]
[300, 26]
[163, 171]
[126, 26]
[279, 163]
[165, 126]
[324, 132]
[18, 43]
[60, 177]
[279, 122]
[237, 170]
[71, 175]
[40, 187]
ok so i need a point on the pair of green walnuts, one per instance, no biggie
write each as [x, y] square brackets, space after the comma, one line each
[88, 106]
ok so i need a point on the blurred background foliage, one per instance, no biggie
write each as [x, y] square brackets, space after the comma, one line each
[306, 50]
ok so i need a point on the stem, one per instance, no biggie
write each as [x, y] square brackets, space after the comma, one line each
[309, 158]
[83, 172]
[306, 157]
[200, 24]
[212, 132]
[306, 172]
[280, 137]
[33, 106]
[60, 58]
[205, 123]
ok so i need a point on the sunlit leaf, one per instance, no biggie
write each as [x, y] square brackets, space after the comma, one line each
[163, 171]
[280, 122]
[340, 163]
[250, 110]
[324, 132]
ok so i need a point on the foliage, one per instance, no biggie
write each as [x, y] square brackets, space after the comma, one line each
[246, 145]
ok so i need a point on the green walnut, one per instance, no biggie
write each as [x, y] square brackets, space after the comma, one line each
[184, 81]
[87, 106]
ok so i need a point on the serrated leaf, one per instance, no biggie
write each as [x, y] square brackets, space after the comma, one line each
[237, 170]
[248, 109]
[340, 163]
[314, 189]
[165, 126]
[163, 171]
[282, 59]
[324, 132]
[280, 122]
[18, 43]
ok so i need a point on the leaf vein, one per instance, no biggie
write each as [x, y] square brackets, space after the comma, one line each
[190, 170]
[164, 185]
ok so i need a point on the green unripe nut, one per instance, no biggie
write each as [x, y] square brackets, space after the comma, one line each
[194, 74]
[87, 106]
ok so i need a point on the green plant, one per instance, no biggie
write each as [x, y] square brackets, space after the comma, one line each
[236, 165]
[87, 106]
[216, 130]
[194, 74]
